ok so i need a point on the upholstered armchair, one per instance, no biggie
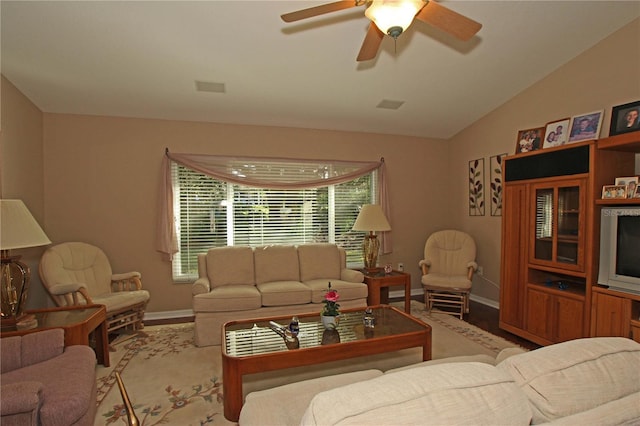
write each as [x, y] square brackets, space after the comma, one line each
[77, 273]
[44, 383]
[447, 271]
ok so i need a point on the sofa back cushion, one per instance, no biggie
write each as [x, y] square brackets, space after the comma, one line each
[276, 263]
[230, 265]
[319, 261]
[32, 348]
[575, 376]
[443, 394]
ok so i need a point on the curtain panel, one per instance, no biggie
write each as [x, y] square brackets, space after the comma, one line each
[262, 172]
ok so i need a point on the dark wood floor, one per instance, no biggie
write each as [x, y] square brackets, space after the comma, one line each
[482, 316]
[487, 318]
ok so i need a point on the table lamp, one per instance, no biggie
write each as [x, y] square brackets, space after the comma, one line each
[18, 229]
[371, 218]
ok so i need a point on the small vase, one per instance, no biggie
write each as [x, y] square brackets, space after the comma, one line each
[329, 322]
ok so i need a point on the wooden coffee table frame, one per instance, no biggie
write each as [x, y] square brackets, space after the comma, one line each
[76, 333]
[233, 368]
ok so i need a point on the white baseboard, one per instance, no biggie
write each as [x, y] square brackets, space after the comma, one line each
[150, 316]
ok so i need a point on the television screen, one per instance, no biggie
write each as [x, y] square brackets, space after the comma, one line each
[628, 246]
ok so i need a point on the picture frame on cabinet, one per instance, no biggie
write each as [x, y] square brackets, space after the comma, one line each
[614, 191]
[585, 127]
[636, 194]
[630, 182]
[625, 118]
[529, 140]
[556, 133]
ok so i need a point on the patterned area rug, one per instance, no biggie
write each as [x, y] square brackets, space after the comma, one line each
[172, 382]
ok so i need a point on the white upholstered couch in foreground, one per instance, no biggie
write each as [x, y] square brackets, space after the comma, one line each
[593, 381]
[242, 282]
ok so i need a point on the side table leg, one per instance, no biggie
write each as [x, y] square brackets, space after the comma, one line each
[407, 295]
[102, 344]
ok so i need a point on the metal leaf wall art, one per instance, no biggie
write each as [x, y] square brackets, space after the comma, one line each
[495, 175]
[476, 187]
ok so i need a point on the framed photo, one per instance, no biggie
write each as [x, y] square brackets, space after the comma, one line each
[529, 140]
[631, 183]
[585, 127]
[637, 193]
[625, 118]
[557, 133]
[614, 191]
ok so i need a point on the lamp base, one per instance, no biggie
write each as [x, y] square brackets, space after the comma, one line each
[370, 248]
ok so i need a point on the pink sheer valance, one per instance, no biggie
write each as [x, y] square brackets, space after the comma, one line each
[262, 172]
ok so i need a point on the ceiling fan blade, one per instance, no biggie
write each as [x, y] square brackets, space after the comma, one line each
[371, 43]
[318, 10]
[449, 21]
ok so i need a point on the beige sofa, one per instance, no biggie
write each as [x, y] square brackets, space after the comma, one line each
[580, 382]
[243, 282]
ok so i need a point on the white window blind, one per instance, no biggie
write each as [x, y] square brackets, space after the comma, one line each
[212, 213]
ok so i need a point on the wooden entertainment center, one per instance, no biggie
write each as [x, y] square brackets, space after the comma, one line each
[551, 242]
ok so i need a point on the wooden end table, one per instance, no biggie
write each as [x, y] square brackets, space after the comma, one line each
[76, 321]
[379, 282]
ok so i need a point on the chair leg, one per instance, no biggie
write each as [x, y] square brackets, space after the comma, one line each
[428, 303]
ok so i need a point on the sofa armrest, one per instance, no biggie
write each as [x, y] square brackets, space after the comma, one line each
[201, 286]
[351, 275]
[20, 398]
[129, 281]
[66, 288]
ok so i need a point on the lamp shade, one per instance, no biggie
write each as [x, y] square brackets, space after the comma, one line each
[393, 14]
[371, 218]
[18, 228]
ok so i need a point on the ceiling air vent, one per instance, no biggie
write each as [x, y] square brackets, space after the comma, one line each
[207, 86]
[387, 104]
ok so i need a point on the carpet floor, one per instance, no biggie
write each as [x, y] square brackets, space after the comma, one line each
[170, 381]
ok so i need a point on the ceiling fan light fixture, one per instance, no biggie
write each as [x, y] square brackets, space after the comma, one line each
[393, 17]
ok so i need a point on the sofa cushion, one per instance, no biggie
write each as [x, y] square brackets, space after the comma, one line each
[283, 293]
[32, 348]
[276, 263]
[285, 405]
[228, 298]
[230, 265]
[487, 359]
[346, 290]
[621, 412]
[564, 379]
[319, 261]
[443, 394]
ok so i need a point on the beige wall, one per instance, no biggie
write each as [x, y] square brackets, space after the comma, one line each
[102, 177]
[21, 170]
[604, 76]
[96, 178]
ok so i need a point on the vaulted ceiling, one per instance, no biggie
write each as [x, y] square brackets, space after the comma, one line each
[143, 59]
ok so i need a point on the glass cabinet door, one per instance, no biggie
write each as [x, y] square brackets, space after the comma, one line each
[558, 210]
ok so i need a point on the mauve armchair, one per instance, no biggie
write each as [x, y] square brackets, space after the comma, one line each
[44, 383]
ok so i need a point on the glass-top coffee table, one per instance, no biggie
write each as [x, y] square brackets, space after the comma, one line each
[251, 346]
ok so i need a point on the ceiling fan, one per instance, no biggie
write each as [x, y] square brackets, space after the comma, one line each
[393, 17]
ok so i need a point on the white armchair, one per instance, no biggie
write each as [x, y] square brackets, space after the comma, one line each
[77, 273]
[447, 270]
